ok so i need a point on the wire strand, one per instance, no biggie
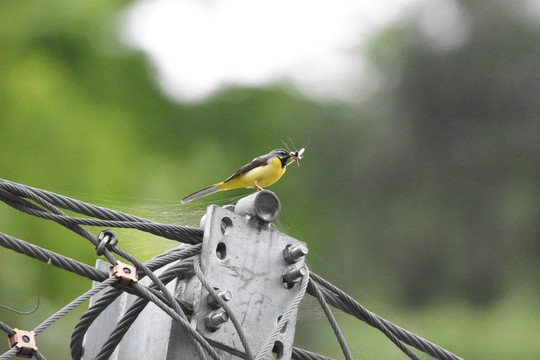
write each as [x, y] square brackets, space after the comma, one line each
[224, 305]
[41, 285]
[341, 340]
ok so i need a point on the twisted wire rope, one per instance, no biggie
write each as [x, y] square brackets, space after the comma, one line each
[72, 305]
[57, 260]
[339, 299]
[293, 306]
[107, 298]
[135, 309]
[312, 286]
[9, 354]
[232, 316]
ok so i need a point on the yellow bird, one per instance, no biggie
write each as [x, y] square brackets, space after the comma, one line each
[260, 172]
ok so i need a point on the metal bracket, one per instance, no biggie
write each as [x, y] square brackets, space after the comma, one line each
[25, 341]
[125, 272]
[251, 261]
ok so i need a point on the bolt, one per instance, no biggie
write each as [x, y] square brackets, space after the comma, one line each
[215, 318]
[214, 304]
[293, 274]
[293, 253]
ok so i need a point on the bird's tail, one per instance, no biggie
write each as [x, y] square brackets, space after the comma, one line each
[203, 192]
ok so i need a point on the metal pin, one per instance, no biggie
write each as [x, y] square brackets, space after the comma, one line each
[262, 206]
[294, 253]
[214, 319]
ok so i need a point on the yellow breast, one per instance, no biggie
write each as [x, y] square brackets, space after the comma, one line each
[262, 175]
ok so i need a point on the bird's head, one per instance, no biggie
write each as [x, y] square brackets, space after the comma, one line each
[285, 155]
[282, 155]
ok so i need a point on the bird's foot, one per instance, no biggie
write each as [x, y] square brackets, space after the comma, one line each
[258, 187]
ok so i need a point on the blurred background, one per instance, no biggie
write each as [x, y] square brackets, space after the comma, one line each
[418, 194]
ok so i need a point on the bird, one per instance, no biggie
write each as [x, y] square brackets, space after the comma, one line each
[262, 171]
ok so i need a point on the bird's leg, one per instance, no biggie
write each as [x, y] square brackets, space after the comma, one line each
[258, 187]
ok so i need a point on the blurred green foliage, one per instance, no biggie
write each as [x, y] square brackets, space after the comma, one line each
[422, 199]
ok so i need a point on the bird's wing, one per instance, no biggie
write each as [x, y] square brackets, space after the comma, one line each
[258, 161]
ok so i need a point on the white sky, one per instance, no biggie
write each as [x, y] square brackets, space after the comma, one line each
[199, 46]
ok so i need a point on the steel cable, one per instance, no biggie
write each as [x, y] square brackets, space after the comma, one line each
[48, 212]
[6, 328]
[204, 281]
[370, 319]
[143, 292]
[301, 354]
[135, 309]
[72, 305]
[268, 345]
[341, 300]
[312, 286]
[107, 298]
[86, 320]
[9, 354]
[106, 217]
[57, 260]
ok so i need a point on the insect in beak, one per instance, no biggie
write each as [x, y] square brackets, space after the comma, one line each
[296, 155]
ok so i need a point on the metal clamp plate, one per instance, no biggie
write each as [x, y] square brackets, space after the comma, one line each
[247, 260]
[25, 341]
